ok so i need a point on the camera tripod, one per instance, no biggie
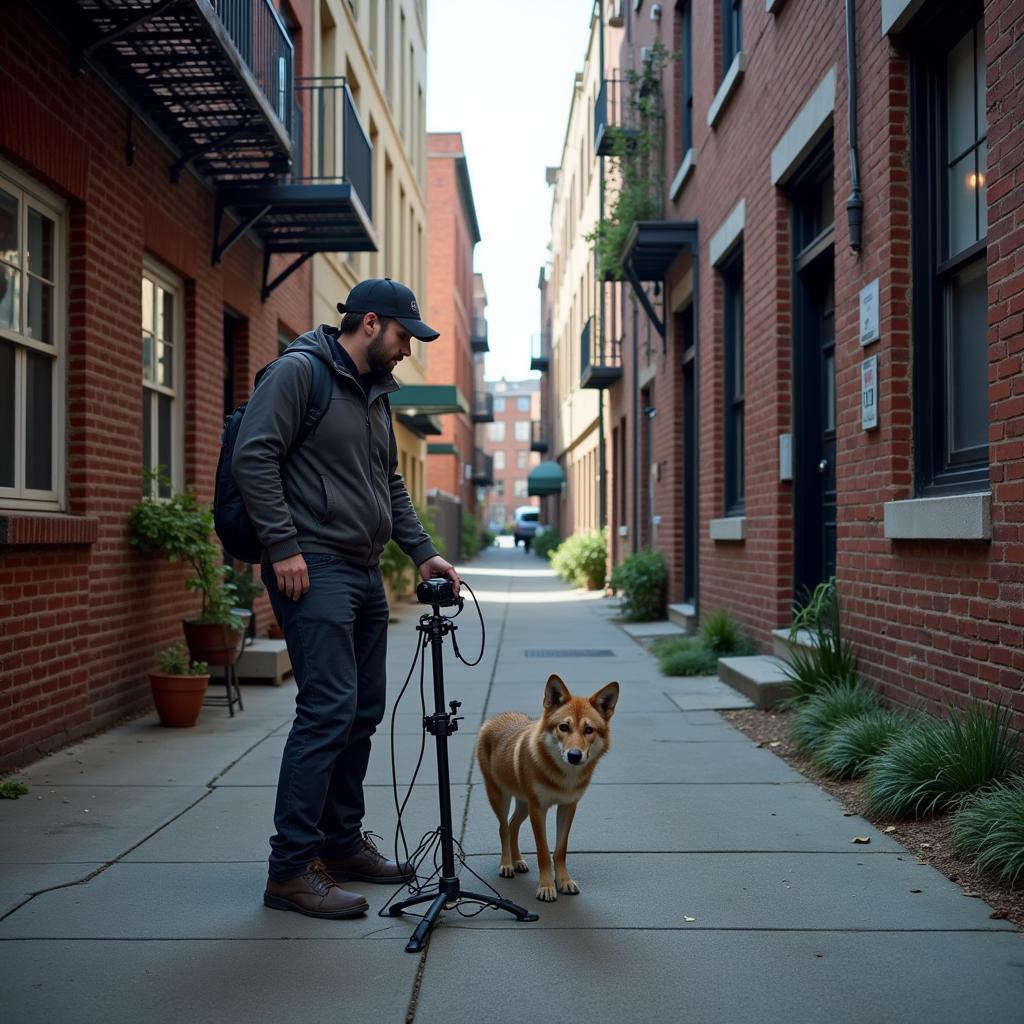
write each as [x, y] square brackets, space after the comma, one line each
[441, 724]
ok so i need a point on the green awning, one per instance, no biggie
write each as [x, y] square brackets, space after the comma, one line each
[442, 448]
[547, 478]
[431, 399]
[421, 424]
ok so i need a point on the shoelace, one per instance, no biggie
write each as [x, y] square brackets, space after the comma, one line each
[370, 848]
[319, 877]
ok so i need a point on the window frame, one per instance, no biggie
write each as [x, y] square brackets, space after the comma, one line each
[173, 284]
[685, 11]
[30, 194]
[733, 398]
[731, 25]
[937, 470]
[520, 434]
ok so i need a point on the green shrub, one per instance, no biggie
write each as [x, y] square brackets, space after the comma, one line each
[581, 559]
[831, 659]
[692, 660]
[991, 830]
[469, 537]
[816, 718]
[487, 538]
[722, 636]
[935, 765]
[698, 655]
[847, 750]
[545, 542]
[12, 790]
[641, 579]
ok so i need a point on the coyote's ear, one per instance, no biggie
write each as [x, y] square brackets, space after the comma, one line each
[605, 699]
[555, 692]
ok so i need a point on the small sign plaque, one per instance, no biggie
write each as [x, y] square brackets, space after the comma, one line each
[869, 393]
[869, 331]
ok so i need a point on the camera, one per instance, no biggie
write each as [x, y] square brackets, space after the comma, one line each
[438, 591]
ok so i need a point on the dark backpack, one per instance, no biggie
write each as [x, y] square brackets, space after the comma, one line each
[230, 516]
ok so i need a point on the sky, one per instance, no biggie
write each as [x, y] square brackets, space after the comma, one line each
[502, 74]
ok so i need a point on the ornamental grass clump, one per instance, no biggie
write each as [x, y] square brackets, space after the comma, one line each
[820, 714]
[719, 637]
[936, 765]
[640, 581]
[848, 749]
[991, 831]
[688, 657]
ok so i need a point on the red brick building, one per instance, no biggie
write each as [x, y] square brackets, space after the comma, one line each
[122, 212]
[509, 444]
[456, 358]
[822, 328]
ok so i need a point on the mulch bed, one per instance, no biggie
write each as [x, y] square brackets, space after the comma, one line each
[927, 838]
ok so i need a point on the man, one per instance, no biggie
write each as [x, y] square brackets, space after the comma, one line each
[323, 513]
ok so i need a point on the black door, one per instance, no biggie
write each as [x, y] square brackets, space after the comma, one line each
[689, 458]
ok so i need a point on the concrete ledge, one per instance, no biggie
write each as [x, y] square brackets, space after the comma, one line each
[813, 121]
[956, 517]
[264, 660]
[782, 645]
[772, 6]
[730, 528]
[729, 85]
[684, 172]
[761, 678]
[651, 629]
[897, 13]
[684, 615]
[729, 235]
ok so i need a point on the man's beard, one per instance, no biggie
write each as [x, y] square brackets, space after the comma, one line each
[377, 359]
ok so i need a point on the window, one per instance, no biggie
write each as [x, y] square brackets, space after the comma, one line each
[499, 489]
[519, 489]
[522, 460]
[523, 430]
[732, 276]
[732, 32]
[498, 514]
[496, 432]
[162, 353]
[523, 403]
[686, 73]
[32, 255]
[499, 404]
[499, 459]
[949, 165]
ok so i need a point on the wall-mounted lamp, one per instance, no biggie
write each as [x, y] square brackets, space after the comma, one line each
[656, 12]
[649, 411]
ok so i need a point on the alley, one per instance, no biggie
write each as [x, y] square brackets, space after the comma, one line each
[717, 884]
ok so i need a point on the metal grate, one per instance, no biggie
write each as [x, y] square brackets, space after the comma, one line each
[571, 652]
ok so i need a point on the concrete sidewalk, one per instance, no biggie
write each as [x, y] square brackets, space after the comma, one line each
[717, 883]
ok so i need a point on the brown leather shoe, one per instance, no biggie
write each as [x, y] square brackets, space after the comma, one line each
[314, 894]
[368, 864]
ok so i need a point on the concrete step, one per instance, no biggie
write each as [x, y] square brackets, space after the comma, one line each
[782, 645]
[263, 660]
[645, 630]
[684, 615]
[760, 677]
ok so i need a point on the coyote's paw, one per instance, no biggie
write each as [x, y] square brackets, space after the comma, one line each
[521, 867]
[568, 886]
[546, 893]
[507, 871]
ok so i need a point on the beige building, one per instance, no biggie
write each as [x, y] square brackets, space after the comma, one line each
[574, 305]
[374, 51]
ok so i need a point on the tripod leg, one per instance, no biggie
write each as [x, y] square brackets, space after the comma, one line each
[520, 913]
[415, 943]
[396, 909]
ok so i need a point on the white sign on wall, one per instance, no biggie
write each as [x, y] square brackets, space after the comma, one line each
[869, 331]
[869, 393]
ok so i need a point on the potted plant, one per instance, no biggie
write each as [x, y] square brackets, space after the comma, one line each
[179, 686]
[181, 527]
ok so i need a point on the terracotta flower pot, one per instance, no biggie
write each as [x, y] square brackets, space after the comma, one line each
[178, 699]
[216, 645]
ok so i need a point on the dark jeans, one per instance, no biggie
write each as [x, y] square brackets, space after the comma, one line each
[337, 641]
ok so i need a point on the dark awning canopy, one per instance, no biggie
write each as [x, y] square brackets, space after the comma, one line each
[432, 399]
[547, 478]
[652, 246]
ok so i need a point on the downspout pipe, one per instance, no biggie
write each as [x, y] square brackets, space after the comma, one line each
[602, 468]
[855, 204]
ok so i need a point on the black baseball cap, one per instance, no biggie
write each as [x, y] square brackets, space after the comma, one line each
[385, 297]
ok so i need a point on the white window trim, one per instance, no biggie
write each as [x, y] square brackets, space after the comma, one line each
[686, 167]
[773, 6]
[49, 203]
[729, 235]
[804, 131]
[172, 283]
[897, 13]
[730, 83]
[953, 517]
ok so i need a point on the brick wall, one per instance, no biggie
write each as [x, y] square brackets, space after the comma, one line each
[83, 614]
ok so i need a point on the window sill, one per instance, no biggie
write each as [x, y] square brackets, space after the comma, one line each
[683, 174]
[731, 528]
[38, 529]
[956, 517]
[772, 6]
[729, 85]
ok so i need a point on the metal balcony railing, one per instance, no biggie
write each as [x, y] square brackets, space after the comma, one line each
[478, 334]
[483, 468]
[483, 407]
[538, 437]
[600, 358]
[340, 150]
[611, 116]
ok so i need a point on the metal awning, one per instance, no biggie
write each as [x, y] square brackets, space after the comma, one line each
[442, 448]
[432, 399]
[421, 424]
[547, 478]
[651, 248]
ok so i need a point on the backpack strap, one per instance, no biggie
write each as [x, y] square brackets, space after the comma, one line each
[321, 388]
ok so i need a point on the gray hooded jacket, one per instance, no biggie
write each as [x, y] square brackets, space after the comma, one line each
[340, 492]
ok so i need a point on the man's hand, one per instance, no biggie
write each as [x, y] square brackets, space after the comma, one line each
[292, 576]
[437, 566]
